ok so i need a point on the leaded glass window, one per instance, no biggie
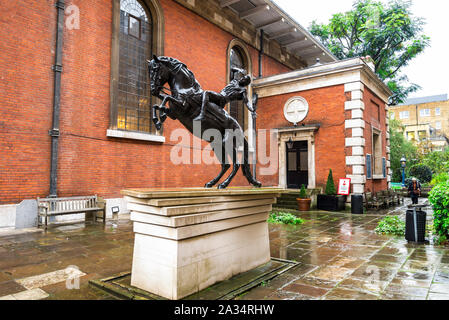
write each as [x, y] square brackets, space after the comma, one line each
[237, 109]
[134, 99]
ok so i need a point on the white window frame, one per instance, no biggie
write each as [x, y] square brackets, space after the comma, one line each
[424, 113]
[438, 111]
[376, 155]
[438, 125]
[403, 113]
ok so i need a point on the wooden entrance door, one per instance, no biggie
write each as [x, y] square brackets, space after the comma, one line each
[297, 165]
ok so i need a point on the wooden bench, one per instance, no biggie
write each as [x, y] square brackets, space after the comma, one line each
[372, 202]
[49, 207]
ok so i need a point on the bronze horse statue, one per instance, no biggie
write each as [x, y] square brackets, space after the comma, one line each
[185, 103]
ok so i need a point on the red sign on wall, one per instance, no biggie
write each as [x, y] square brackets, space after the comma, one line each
[344, 187]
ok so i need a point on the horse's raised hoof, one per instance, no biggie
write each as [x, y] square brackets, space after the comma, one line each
[158, 126]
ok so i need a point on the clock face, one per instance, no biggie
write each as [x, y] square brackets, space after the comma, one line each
[296, 110]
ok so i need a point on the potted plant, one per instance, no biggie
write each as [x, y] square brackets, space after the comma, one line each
[330, 201]
[303, 201]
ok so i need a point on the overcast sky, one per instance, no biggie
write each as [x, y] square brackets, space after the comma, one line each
[430, 70]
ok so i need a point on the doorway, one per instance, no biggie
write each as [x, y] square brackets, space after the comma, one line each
[297, 164]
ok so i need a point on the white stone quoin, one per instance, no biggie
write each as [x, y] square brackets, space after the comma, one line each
[189, 239]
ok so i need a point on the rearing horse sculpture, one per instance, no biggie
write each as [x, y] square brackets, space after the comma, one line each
[185, 105]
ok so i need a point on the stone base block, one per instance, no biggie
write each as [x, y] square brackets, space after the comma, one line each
[187, 240]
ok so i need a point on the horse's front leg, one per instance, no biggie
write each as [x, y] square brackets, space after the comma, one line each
[160, 118]
[157, 122]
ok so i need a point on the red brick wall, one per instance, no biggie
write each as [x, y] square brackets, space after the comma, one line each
[26, 88]
[374, 117]
[326, 107]
[89, 162]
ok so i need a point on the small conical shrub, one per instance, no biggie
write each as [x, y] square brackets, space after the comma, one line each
[330, 186]
[303, 193]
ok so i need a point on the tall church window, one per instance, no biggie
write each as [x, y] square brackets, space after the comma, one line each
[237, 108]
[134, 101]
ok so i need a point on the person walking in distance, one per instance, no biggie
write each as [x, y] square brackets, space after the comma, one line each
[414, 190]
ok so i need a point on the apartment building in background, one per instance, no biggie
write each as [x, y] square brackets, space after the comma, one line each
[425, 119]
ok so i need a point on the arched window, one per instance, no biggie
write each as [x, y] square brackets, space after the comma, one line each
[135, 48]
[137, 34]
[236, 109]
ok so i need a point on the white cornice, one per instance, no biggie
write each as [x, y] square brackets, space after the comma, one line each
[341, 72]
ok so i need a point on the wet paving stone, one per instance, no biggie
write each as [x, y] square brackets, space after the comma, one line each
[422, 276]
[347, 294]
[388, 258]
[438, 296]
[301, 270]
[346, 262]
[419, 266]
[384, 264]
[441, 277]
[395, 251]
[373, 273]
[314, 282]
[339, 255]
[306, 290]
[4, 277]
[280, 281]
[292, 254]
[408, 291]
[440, 288]
[363, 285]
[285, 295]
[402, 297]
[411, 283]
[315, 259]
[10, 287]
[331, 273]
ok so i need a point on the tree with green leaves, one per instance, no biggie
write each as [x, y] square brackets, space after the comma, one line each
[389, 33]
[399, 146]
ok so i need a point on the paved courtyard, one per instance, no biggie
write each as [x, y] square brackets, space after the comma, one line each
[339, 255]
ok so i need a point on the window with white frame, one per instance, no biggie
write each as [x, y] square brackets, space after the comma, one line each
[424, 112]
[377, 152]
[438, 125]
[438, 111]
[392, 115]
[404, 114]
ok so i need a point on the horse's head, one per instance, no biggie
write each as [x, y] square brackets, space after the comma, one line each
[159, 75]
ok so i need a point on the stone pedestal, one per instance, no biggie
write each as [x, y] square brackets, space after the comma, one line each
[189, 239]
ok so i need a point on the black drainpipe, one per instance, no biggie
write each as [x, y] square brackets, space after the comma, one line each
[57, 68]
[261, 53]
[254, 118]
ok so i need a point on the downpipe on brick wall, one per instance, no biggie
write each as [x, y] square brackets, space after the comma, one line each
[261, 52]
[57, 68]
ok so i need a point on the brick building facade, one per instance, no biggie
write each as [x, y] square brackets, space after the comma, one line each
[96, 155]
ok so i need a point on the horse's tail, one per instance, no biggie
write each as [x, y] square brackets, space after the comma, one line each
[246, 166]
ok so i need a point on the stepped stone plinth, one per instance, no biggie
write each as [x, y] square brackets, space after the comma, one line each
[189, 239]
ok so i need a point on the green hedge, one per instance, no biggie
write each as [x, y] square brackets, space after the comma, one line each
[439, 198]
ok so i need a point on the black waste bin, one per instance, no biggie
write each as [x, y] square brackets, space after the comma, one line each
[415, 225]
[357, 204]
